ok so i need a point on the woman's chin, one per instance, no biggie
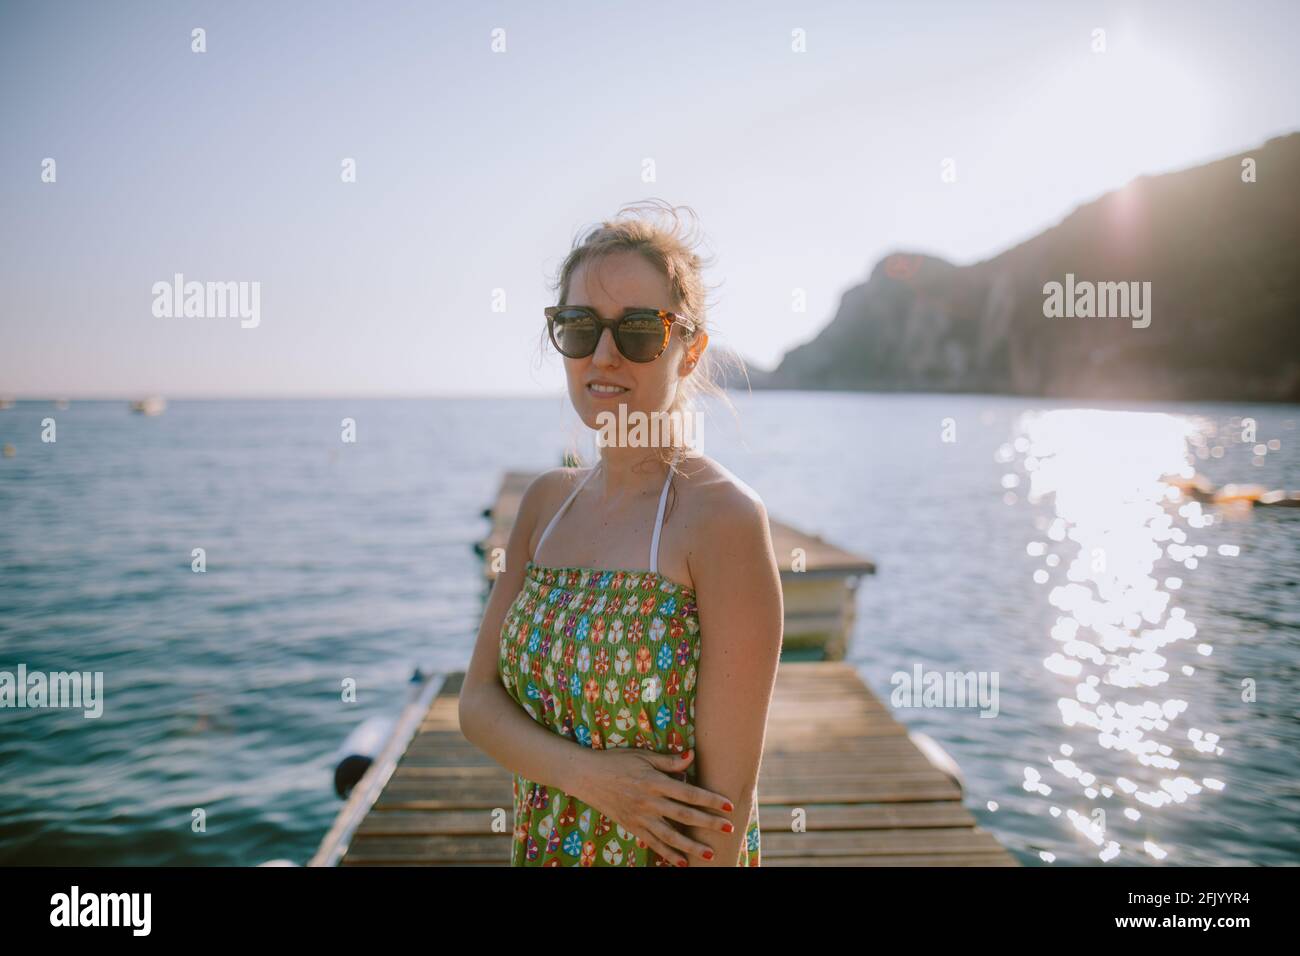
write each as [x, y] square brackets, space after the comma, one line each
[603, 414]
[590, 405]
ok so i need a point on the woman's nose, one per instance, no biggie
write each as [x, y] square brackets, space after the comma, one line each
[606, 348]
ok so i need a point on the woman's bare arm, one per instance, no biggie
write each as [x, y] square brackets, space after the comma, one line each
[738, 590]
[489, 718]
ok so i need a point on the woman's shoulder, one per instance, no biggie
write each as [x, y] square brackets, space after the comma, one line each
[546, 490]
[730, 535]
[719, 499]
[554, 480]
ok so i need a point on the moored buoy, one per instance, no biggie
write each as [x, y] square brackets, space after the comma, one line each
[359, 750]
[366, 742]
[938, 757]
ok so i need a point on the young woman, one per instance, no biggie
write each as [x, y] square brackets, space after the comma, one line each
[625, 663]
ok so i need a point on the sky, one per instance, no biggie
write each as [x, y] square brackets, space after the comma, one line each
[809, 138]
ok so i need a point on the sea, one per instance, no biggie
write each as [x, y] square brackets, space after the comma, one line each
[1139, 650]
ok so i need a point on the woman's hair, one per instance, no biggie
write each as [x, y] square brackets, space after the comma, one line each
[653, 229]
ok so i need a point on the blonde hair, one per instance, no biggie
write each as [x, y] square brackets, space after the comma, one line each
[654, 229]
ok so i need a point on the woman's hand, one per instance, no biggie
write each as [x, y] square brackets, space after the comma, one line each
[638, 789]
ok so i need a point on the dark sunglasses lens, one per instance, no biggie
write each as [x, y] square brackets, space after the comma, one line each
[641, 337]
[576, 333]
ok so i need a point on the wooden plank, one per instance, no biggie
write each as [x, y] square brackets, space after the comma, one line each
[907, 842]
[447, 850]
[876, 788]
[835, 761]
[848, 816]
[426, 823]
[864, 816]
[999, 858]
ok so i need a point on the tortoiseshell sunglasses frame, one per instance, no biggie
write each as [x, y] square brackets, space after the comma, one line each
[668, 318]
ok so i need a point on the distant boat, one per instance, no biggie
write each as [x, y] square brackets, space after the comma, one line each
[1200, 488]
[6, 403]
[153, 405]
[60, 403]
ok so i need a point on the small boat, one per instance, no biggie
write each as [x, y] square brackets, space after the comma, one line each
[61, 403]
[153, 405]
[1200, 488]
[1279, 499]
[1233, 493]
[6, 403]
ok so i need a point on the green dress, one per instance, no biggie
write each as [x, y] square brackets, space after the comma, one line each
[606, 658]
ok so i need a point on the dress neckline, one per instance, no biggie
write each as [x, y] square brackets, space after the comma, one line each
[643, 572]
[654, 541]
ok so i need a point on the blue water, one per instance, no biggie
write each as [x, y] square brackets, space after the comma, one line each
[329, 560]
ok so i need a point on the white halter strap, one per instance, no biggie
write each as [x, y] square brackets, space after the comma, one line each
[564, 507]
[659, 518]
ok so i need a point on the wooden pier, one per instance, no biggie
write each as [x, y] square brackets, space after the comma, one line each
[868, 795]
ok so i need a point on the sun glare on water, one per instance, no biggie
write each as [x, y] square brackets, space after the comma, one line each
[1109, 518]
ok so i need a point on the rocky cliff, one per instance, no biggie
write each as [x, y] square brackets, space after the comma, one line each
[1222, 257]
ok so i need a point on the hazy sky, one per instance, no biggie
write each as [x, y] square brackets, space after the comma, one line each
[474, 169]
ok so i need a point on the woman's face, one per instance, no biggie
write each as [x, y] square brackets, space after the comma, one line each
[619, 281]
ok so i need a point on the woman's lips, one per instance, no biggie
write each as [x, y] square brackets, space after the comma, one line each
[605, 391]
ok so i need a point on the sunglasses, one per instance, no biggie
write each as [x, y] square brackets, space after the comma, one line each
[640, 334]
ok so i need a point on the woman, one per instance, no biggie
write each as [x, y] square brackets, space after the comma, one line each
[625, 663]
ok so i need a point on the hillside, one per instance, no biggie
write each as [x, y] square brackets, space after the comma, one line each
[1222, 257]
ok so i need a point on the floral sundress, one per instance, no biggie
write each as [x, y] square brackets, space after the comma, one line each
[607, 659]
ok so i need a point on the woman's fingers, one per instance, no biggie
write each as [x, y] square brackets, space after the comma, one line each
[668, 762]
[691, 816]
[652, 831]
[664, 797]
[660, 847]
[677, 789]
[678, 841]
[684, 792]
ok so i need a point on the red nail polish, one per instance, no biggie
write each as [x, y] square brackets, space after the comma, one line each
[708, 854]
[728, 828]
[681, 863]
[728, 806]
